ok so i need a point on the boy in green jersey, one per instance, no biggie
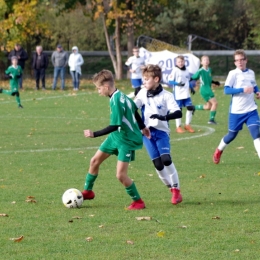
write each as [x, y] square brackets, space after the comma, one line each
[13, 72]
[204, 74]
[124, 138]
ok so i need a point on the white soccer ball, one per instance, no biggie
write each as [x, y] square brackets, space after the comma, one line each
[72, 198]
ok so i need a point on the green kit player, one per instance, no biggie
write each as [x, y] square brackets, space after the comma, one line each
[13, 72]
[204, 74]
[124, 138]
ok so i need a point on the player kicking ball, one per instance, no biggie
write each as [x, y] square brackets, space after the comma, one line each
[124, 138]
[241, 84]
[158, 107]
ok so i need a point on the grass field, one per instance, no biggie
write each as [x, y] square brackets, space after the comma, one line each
[43, 153]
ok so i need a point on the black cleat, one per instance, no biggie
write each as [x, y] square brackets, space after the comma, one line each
[20, 106]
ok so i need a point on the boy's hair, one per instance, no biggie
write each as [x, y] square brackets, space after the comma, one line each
[204, 56]
[14, 58]
[136, 48]
[181, 57]
[104, 76]
[240, 52]
[151, 70]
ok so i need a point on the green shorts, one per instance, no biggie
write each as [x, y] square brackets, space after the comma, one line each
[121, 151]
[207, 94]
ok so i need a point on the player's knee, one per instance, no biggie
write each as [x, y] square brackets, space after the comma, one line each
[190, 108]
[230, 137]
[166, 159]
[94, 162]
[254, 131]
[158, 164]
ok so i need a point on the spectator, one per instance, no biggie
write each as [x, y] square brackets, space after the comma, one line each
[22, 56]
[40, 63]
[75, 62]
[59, 60]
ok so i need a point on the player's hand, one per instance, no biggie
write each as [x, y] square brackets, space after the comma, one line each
[257, 95]
[216, 83]
[146, 132]
[159, 117]
[181, 84]
[192, 90]
[88, 133]
[248, 90]
[11, 76]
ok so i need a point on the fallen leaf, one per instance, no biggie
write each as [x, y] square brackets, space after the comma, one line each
[237, 250]
[160, 233]
[217, 217]
[101, 226]
[240, 147]
[70, 220]
[3, 215]
[258, 174]
[91, 215]
[77, 217]
[13, 202]
[17, 239]
[89, 239]
[143, 218]
[130, 242]
[246, 210]
[32, 201]
[202, 176]
[80, 152]
[151, 175]
[183, 226]
[30, 197]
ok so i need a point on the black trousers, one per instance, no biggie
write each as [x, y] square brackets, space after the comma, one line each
[39, 75]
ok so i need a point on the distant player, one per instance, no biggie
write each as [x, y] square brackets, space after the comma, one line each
[135, 64]
[204, 74]
[14, 72]
[241, 84]
[124, 138]
[158, 107]
[180, 79]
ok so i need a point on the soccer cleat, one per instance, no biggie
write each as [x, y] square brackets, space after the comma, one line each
[189, 128]
[20, 106]
[88, 194]
[176, 196]
[216, 156]
[179, 130]
[212, 122]
[136, 205]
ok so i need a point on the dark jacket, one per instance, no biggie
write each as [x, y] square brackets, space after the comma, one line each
[22, 54]
[44, 60]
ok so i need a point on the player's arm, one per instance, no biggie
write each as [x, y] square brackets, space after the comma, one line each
[196, 76]
[145, 130]
[215, 82]
[174, 115]
[231, 91]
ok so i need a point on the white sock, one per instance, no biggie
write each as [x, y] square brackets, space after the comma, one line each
[165, 178]
[257, 146]
[178, 122]
[188, 117]
[222, 145]
[173, 174]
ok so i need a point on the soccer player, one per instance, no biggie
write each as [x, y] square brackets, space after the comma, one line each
[180, 79]
[241, 84]
[124, 138]
[204, 74]
[158, 107]
[14, 72]
[135, 64]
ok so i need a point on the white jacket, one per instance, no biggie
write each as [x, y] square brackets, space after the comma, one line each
[75, 60]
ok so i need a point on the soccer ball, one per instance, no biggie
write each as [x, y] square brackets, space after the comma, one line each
[72, 198]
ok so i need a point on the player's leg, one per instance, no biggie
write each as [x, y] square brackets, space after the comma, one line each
[189, 114]
[17, 98]
[179, 129]
[136, 84]
[213, 110]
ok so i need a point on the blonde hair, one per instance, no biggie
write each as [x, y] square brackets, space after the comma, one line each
[181, 57]
[151, 70]
[204, 56]
[104, 76]
[240, 52]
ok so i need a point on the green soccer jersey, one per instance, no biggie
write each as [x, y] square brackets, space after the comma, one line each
[204, 76]
[14, 72]
[122, 113]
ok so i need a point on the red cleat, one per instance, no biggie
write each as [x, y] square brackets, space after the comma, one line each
[136, 205]
[216, 156]
[88, 194]
[176, 196]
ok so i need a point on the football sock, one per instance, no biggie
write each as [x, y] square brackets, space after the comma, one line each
[222, 145]
[90, 179]
[212, 115]
[199, 107]
[188, 117]
[178, 122]
[132, 192]
[173, 174]
[18, 100]
[257, 146]
[164, 177]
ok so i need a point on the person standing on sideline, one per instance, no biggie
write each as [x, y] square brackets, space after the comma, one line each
[241, 84]
[158, 107]
[204, 74]
[75, 62]
[22, 56]
[40, 63]
[59, 60]
[124, 138]
[135, 64]
[14, 72]
[180, 79]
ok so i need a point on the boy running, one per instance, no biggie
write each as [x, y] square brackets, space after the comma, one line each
[14, 72]
[124, 138]
[158, 107]
[241, 84]
[204, 74]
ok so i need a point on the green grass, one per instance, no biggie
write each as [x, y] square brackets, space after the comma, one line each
[43, 153]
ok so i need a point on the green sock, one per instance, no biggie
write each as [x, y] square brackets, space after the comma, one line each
[90, 179]
[132, 192]
[199, 107]
[212, 115]
[18, 100]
